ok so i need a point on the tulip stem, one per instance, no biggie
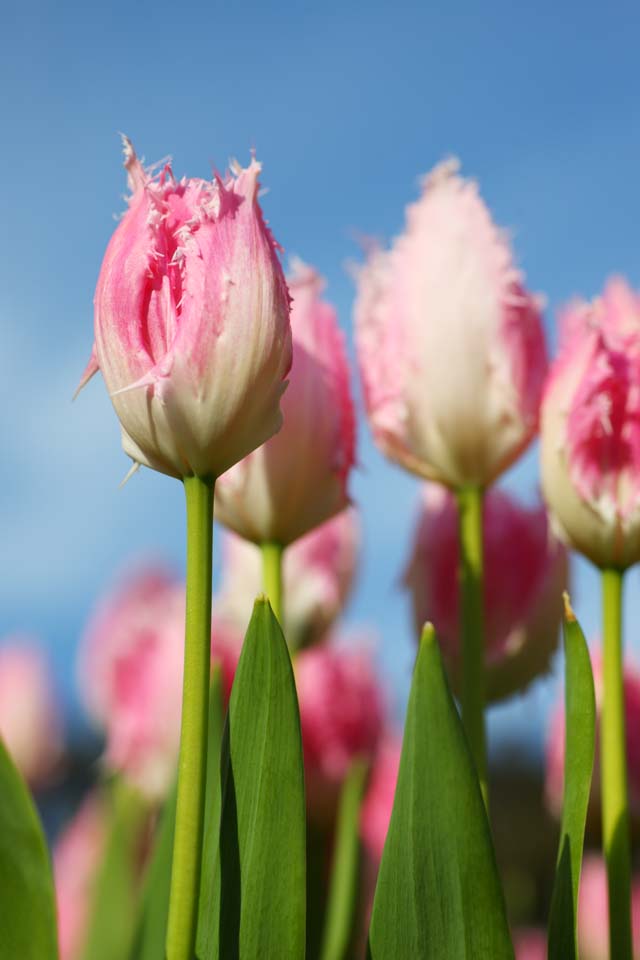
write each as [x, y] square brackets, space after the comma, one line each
[615, 808]
[272, 575]
[189, 826]
[470, 501]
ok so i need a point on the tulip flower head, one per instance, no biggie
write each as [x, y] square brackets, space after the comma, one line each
[299, 478]
[192, 330]
[451, 346]
[530, 944]
[593, 911]
[590, 429]
[30, 720]
[318, 572]
[525, 572]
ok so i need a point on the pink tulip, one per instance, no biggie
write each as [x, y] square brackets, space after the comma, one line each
[451, 346]
[30, 720]
[298, 479]
[593, 911]
[590, 428]
[318, 572]
[192, 321]
[530, 944]
[131, 675]
[555, 741]
[341, 715]
[525, 574]
[378, 802]
[76, 858]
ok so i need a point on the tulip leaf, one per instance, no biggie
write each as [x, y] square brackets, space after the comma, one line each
[27, 903]
[114, 900]
[260, 880]
[438, 895]
[580, 721]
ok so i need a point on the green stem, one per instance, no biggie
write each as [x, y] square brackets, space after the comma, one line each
[272, 575]
[343, 889]
[615, 809]
[472, 605]
[189, 827]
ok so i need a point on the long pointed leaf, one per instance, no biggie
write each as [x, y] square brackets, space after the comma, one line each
[438, 895]
[27, 903]
[580, 720]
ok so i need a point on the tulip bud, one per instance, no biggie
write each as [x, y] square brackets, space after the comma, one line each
[341, 716]
[525, 572]
[450, 345]
[298, 479]
[76, 858]
[318, 571]
[555, 742]
[530, 944]
[378, 802]
[590, 428]
[30, 720]
[593, 911]
[192, 321]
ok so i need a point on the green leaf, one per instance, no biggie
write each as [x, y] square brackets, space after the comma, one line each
[27, 903]
[343, 888]
[115, 893]
[580, 721]
[438, 895]
[261, 874]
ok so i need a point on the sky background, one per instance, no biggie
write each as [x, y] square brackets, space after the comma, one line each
[347, 104]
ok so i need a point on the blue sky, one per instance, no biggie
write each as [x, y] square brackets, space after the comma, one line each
[346, 104]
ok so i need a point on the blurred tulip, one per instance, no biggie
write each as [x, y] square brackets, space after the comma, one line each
[131, 675]
[450, 345]
[318, 572]
[30, 719]
[590, 428]
[593, 911]
[76, 857]
[341, 715]
[530, 944]
[555, 741]
[192, 321]
[298, 479]
[525, 572]
[378, 802]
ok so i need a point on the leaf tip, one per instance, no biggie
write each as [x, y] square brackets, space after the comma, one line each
[428, 636]
[569, 615]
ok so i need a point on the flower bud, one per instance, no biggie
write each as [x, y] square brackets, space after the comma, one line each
[590, 428]
[450, 345]
[530, 944]
[318, 572]
[378, 802]
[593, 911]
[192, 321]
[525, 572]
[30, 719]
[298, 479]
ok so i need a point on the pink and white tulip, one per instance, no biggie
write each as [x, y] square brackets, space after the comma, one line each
[299, 478]
[450, 344]
[555, 741]
[590, 428]
[76, 858]
[341, 716]
[378, 802]
[318, 572]
[593, 911]
[525, 572]
[30, 719]
[192, 330]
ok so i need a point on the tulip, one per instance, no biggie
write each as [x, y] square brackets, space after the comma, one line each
[556, 744]
[525, 574]
[593, 912]
[298, 479]
[450, 345]
[192, 321]
[378, 803]
[30, 719]
[341, 717]
[530, 944]
[590, 450]
[76, 858]
[318, 573]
